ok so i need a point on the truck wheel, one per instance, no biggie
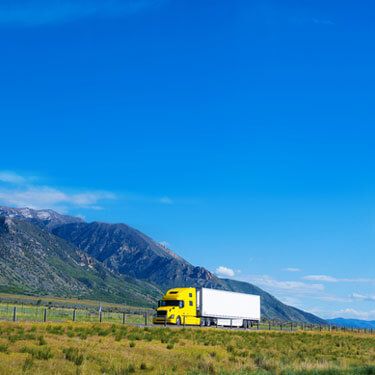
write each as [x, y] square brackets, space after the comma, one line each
[178, 321]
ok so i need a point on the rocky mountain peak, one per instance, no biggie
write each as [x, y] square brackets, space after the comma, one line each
[44, 218]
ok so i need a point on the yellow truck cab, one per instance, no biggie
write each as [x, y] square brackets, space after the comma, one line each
[178, 306]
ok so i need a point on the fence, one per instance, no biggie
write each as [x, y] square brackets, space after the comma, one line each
[30, 313]
[26, 313]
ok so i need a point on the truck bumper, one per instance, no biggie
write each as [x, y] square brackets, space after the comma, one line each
[163, 321]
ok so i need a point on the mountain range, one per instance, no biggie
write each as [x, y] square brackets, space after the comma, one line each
[352, 323]
[44, 252]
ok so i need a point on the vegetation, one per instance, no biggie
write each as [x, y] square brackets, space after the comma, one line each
[86, 348]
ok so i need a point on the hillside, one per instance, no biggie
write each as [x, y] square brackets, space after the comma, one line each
[43, 218]
[130, 252]
[34, 261]
[352, 323]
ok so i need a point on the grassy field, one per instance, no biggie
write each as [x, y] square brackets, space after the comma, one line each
[19, 299]
[29, 308]
[86, 348]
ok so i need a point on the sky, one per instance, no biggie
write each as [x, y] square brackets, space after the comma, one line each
[238, 133]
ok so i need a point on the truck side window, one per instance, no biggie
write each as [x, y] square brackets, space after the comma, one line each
[191, 303]
[190, 295]
[181, 304]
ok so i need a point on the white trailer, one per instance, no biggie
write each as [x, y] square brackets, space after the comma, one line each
[223, 308]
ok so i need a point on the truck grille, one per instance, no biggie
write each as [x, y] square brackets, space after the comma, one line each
[161, 313]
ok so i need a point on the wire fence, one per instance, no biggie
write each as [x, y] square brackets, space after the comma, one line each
[144, 317]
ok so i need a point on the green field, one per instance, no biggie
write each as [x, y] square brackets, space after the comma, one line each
[116, 349]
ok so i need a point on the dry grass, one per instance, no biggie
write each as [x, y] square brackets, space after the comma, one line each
[84, 348]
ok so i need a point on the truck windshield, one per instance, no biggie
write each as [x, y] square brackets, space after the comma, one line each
[171, 303]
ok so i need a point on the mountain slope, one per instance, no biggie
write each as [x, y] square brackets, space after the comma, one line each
[33, 260]
[352, 323]
[43, 218]
[130, 252]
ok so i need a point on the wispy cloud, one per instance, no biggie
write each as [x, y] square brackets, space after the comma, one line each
[46, 197]
[322, 21]
[278, 286]
[39, 12]
[362, 297]
[165, 200]
[353, 313]
[332, 279]
[20, 191]
[292, 269]
[13, 178]
[224, 271]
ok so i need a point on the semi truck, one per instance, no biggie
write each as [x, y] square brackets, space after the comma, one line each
[205, 307]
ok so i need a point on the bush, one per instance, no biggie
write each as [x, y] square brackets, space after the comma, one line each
[27, 364]
[73, 355]
[131, 344]
[143, 366]
[42, 341]
[36, 353]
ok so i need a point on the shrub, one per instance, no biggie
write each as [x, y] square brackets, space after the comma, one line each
[131, 344]
[143, 366]
[73, 355]
[42, 341]
[27, 364]
[38, 353]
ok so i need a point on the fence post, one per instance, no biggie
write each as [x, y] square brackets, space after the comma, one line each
[145, 319]
[183, 320]
[14, 313]
[45, 315]
[123, 318]
[269, 325]
[281, 326]
[231, 322]
[74, 315]
[291, 326]
[165, 321]
[100, 316]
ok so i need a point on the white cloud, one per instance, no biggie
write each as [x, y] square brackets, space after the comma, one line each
[274, 285]
[362, 297]
[353, 313]
[332, 279]
[292, 269]
[166, 200]
[324, 278]
[12, 178]
[19, 191]
[224, 271]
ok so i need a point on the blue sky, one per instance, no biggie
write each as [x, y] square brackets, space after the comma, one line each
[239, 133]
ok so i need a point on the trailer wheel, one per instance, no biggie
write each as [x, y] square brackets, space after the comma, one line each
[178, 321]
